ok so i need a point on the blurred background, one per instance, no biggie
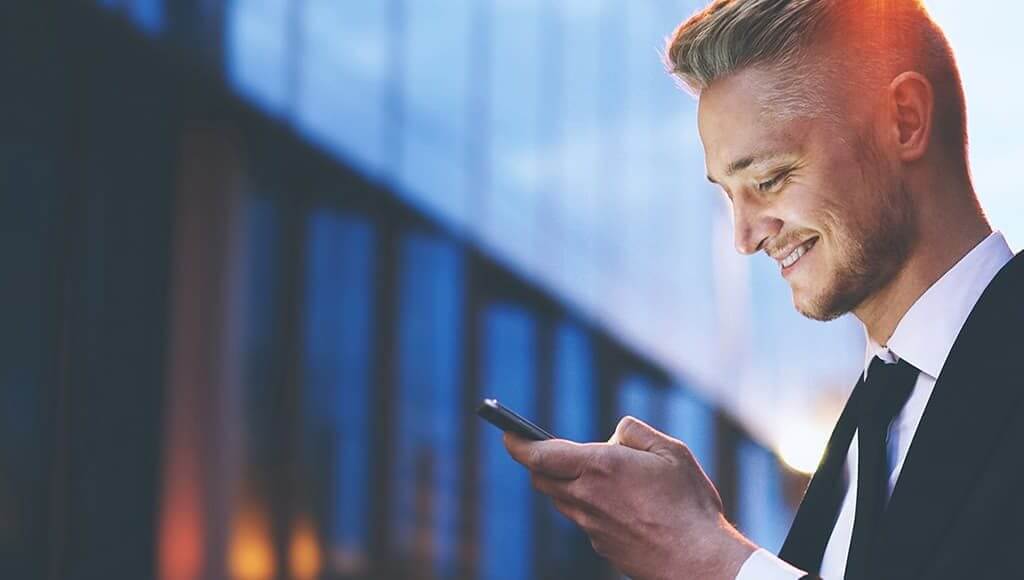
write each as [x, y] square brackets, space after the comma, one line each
[262, 258]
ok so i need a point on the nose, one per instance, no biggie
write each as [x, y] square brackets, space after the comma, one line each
[753, 224]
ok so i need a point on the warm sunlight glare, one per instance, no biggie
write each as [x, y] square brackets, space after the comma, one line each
[802, 445]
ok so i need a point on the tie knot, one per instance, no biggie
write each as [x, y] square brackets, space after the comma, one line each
[888, 387]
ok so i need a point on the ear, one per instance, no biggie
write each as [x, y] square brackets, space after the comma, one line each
[911, 112]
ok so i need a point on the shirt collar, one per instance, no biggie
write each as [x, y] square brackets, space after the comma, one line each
[926, 333]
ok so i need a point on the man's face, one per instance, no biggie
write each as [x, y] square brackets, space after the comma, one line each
[813, 193]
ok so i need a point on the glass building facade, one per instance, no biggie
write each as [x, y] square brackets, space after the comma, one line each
[549, 136]
[269, 255]
[291, 256]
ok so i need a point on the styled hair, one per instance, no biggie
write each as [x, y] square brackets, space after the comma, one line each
[871, 42]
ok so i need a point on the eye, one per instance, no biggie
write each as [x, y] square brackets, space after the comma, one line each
[767, 186]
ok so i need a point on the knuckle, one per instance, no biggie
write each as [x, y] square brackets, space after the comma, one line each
[534, 458]
[600, 464]
[583, 520]
[579, 490]
[626, 424]
[683, 451]
[631, 429]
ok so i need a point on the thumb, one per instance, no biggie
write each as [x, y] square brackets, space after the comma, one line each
[635, 434]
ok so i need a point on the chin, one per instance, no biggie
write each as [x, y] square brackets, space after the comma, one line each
[819, 314]
[821, 304]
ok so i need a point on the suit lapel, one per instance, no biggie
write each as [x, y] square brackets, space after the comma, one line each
[973, 397]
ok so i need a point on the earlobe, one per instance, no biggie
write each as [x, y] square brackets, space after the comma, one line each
[912, 108]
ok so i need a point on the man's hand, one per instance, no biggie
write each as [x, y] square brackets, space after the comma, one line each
[642, 498]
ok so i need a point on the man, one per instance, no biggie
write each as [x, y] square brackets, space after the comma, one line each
[837, 130]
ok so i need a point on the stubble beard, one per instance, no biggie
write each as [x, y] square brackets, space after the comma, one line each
[869, 253]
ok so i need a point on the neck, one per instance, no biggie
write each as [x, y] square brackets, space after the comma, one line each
[944, 238]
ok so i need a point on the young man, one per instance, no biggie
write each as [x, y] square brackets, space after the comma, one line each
[837, 130]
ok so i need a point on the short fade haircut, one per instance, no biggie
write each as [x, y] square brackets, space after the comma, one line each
[887, 37]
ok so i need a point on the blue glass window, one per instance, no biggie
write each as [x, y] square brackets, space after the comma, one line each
[516, 91]
[590, 103]
[345, 65]
[338, 366]
[762, 511]
[663, 220]
[575, 397]
[642, 398]
[435, 70]
[430, 411]
[257, 51]
[693, 422]
[575, 413]
[148, 15]
[506, 497]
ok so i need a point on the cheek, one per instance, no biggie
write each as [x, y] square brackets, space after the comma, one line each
[807, 208]
[838, 203]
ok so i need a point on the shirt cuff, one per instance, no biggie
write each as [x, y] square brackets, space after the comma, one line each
[763, 565]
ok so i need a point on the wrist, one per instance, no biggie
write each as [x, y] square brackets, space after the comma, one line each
[735, 551]
[726, 552]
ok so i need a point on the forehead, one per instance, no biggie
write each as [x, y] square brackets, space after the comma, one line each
[736, 121]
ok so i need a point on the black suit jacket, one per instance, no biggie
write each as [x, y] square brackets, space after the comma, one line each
[957, 510]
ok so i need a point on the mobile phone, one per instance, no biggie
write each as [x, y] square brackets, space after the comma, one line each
[507, 420]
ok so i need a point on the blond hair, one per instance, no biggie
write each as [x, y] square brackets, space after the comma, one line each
[877, 40]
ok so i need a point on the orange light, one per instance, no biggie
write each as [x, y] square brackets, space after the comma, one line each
[304, 551]
[181, 533]
[251, 552]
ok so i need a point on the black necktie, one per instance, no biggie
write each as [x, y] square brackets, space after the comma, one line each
[886, 390]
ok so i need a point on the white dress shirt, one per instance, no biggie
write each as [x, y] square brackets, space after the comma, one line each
[923, 337]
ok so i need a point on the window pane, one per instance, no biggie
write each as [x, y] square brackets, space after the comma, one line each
[569, 554]
[339, 335]
[763, 514]
[257, 51]
[575, 400]
[642, 398]
[582, 146]
[430, 411]
[509, 208]
[435, 71]
[506, 497]
[344, 62]
[693, 422]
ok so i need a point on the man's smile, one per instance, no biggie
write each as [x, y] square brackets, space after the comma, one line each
[791, 258]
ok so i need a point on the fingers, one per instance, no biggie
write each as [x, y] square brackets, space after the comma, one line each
[570, 507]
[557, 489]
[636, 434]
[555, 458]
[570, 510]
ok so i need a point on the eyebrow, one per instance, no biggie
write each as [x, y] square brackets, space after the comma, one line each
[745, 162]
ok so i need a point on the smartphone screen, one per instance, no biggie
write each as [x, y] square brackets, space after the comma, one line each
[507, 420]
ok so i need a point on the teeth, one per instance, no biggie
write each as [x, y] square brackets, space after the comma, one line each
[796, 254]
